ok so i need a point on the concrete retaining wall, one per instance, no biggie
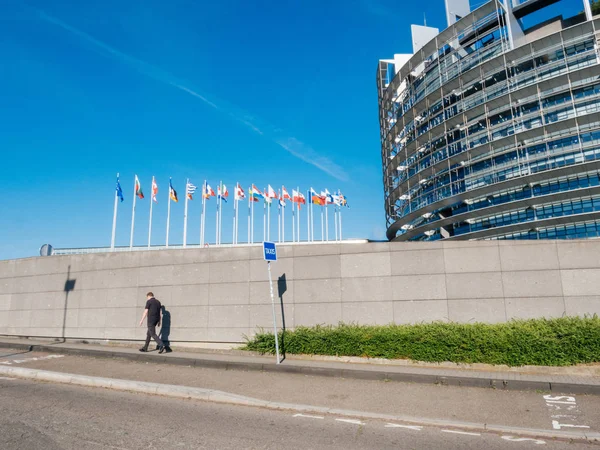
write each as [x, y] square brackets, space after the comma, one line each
[220, 295]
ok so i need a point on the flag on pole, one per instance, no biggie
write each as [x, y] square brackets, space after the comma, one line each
[119, 190]
[138, 188]
[298, 197]
[239, 193]
[172, 193]
[271, 192]
[222, 193]
[190, 189]
[328, 197]
[154, 190]
[255, 194]
[284, 194]
[208, 192]
[343, 201]
[282, 202]
[316, 198]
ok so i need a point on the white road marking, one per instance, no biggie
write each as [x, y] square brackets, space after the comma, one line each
[518, 439]
[410, 427]
[461, 432]
[21, 361]
[557, 426]
[308, 416]
[352, 421]
[7, 378]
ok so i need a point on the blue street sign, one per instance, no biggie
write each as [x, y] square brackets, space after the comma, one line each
[269, 251]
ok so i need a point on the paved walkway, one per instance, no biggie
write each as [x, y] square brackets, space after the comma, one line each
[546, 379]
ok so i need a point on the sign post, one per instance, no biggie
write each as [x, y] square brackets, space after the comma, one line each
[270, 254]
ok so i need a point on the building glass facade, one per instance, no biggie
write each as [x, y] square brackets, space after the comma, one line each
[493, 132]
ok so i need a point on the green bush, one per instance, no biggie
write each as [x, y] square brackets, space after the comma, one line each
[553, 342]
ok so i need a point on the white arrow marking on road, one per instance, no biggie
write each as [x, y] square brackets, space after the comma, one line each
[352, 421]
[410, 427]
[516, 439]
[461, 432]
[557, 425]
[308, 416]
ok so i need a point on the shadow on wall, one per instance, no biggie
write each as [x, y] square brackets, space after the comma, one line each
[165, 329]
[69, 286]
[281, 289]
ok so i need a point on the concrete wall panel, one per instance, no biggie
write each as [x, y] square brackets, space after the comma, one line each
[369, 289]
[5, 302]
[582, 306]
[188, 316]
[366, 265]
[191, 274]
[531, 308]
[535, 283]
[223, 316]
[486, 310]
[369, 313]
[420, 311]
[310, 314]
[460, 259]
[317, 267]
[229, 271]
[418, 287]
[417, 262]
[579, 254]
[580, 282]
[474, 285]
[189, 295]
[229, 294]
[317, 291]
[529, 257]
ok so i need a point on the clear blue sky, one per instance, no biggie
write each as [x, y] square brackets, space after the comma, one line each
[256, 92]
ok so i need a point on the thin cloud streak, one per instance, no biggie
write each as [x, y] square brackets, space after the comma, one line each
[290, 144]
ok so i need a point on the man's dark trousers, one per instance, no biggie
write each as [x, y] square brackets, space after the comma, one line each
[152, 334]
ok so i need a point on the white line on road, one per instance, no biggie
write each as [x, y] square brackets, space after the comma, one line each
[410, 427]
[461, 432]
[7, 378]
[518, 439]
[352, 421]
[308, 416]
[10, 362]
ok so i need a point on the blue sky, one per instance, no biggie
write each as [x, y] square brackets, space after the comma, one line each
[251, 92]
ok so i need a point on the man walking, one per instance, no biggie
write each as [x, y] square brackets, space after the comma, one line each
[153, 312]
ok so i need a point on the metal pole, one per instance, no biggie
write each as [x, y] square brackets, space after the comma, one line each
[132, 215]
[326, 224]
[274, 318]
[150, 219]
[185, 214]
[114, 227]
[168, 213]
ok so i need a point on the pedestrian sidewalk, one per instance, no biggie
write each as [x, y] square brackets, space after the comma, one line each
[563, 380]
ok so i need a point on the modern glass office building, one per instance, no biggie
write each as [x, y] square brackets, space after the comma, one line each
[490, 129]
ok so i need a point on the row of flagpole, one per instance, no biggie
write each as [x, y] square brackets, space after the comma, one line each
[297, 198]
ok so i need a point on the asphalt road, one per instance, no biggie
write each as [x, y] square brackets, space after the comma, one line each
[49, 417]
[508, 408]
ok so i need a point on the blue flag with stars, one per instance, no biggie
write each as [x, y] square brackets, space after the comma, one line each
[119, 190]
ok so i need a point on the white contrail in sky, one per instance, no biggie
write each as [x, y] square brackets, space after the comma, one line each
[292, 145]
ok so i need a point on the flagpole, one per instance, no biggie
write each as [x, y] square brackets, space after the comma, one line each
[150, 219]
[293, 218]
[279, 217]
[252, 222]
[335, 212]
[202, 215]
[264, 217]
[269, 220]
[322, 223]
[249, 205]
[298, 218]
[114, 226]
[185, 214]
[235, 191]
[326, 222]
[340, 218]
[221, 214]
[308, 209]
[168, 213]
[217, 221]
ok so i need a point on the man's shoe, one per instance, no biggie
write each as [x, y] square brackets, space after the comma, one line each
[168, 350]
[143, 349]
[161, 349]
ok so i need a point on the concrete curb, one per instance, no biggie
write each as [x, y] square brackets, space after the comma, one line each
[211, 395]
[500, 380]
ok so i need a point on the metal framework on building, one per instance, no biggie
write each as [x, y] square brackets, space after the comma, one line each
[492, 131]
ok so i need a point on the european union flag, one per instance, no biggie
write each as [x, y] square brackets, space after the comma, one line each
[119, 190]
